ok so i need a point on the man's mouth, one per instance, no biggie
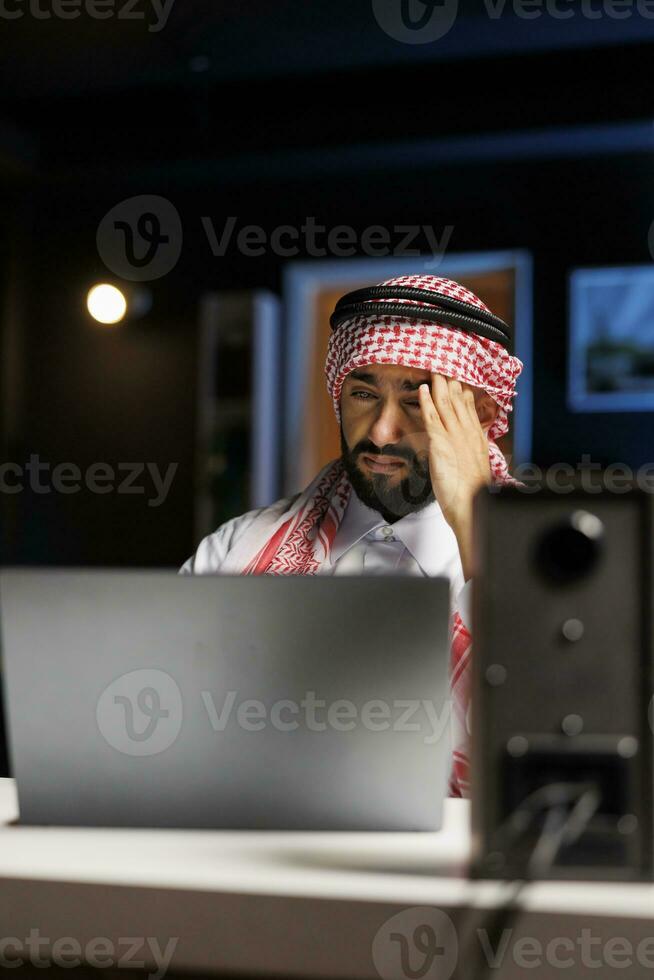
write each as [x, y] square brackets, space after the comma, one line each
[382, 464]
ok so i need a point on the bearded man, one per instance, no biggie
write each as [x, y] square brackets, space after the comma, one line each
[422, 380]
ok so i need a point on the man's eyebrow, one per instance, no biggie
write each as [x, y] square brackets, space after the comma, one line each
[372, 379]
[365, 376]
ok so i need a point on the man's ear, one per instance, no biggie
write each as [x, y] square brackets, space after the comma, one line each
[487, 409]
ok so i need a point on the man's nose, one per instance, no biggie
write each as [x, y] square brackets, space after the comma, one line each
[387, 426]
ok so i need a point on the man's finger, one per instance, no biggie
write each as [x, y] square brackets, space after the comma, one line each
[430, 414]
[469, 399]
[441, 395]
[458, 400]
[472, 420]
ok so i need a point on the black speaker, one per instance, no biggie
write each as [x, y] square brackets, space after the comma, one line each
[561, 689]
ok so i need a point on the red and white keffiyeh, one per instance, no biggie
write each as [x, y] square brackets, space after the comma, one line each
[417, 343]
[295, 537]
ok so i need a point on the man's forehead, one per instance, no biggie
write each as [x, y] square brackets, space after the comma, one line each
[398, 376]
[389, 373]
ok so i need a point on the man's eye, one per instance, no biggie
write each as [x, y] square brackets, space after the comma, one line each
[365, 394]
[413, 403]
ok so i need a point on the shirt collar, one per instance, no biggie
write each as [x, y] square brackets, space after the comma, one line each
[425, 533]
[357, 521]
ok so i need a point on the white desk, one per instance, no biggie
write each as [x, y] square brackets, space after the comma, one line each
[287, 904]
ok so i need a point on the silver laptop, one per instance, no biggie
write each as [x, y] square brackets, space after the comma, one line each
[150, 699]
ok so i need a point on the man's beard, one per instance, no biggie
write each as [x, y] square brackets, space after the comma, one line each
[407, 496]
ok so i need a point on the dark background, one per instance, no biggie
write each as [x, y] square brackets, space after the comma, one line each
[525, 134]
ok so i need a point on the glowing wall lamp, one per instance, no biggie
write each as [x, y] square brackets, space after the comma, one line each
[109, 304]
[106, 303]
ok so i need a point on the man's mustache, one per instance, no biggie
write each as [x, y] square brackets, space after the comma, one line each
[416, 459]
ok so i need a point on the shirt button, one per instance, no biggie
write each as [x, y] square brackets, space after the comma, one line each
[388, 533]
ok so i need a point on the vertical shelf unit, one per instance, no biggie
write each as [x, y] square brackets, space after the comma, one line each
[238, 428]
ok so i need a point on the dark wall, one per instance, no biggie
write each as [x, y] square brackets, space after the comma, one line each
[127, 395]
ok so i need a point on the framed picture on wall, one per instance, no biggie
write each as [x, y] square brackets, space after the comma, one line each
[611, 339]
[501, 279]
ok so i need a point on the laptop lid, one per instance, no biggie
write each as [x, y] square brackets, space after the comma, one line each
[146, 698]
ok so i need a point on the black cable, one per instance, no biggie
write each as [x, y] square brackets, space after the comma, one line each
[561, 827]
[572, 826]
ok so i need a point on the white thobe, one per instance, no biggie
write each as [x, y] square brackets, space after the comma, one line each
[422, 543]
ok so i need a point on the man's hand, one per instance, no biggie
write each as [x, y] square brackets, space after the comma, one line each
[459, 464]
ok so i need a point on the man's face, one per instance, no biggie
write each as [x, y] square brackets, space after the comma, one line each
[384, 443]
